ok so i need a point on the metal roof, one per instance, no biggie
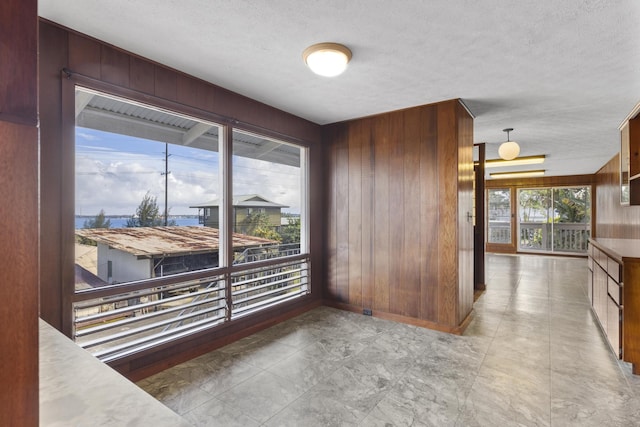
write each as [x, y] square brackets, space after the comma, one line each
[108, 113]
[150, 242]
[245, 201]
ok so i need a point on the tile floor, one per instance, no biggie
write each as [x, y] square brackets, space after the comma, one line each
[532, 356]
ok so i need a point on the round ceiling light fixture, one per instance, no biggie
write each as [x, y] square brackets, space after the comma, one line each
[327, 59]
[508, 150]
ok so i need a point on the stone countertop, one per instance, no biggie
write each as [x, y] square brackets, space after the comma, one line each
[76, 389]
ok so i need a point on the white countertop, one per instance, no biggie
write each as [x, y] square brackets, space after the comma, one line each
[76, 389]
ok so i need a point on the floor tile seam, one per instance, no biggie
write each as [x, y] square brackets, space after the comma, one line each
[484, 356]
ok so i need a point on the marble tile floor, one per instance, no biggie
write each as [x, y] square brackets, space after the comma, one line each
[532, 356]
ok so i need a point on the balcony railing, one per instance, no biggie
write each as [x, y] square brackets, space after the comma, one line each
[538, 236]
[116, 321]
[557, 237]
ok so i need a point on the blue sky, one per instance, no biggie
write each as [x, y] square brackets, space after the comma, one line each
[114, 172]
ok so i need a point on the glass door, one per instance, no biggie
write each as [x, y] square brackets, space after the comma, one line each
[554, 219]
[499, 220]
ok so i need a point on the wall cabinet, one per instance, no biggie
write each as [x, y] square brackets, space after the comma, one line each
[614, 292]
[630, 158]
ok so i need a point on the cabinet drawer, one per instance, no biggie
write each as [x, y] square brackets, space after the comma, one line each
[613, 268]
[590, 263]
[613, 326]
[615, 290]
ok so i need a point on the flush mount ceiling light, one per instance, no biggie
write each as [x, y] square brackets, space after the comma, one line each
[327, 59]
[508, 150]
[523, 174]
[529, 160]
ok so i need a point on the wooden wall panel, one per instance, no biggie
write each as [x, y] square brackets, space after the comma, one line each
[429, 219]
[465, 214]
[342, 215]
[447, 210]
[612, 219]
[381, 147]
[19, 245]
[141, 77]
[410, 286]
[84, 56]
[331, 242]
[18, 62]
[396, 212]
[355, 217]
[53, 57]
[114, 66]
[399, 174]
[367, 203]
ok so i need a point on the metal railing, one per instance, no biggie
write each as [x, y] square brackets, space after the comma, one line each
[499, 232]
[259, 288]
[558, 237]
[116, 321]
[267, 252]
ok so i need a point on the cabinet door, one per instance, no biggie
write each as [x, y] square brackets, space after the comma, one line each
[613, 326]
[590, 284]
[600, 296]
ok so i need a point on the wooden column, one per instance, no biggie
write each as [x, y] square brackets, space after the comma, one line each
[18, 213]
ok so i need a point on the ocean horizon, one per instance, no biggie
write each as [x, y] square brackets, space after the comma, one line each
[121, 221]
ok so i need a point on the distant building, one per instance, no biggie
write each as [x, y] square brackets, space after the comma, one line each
[136, 253]
[243, 206]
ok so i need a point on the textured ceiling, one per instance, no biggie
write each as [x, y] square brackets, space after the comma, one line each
[563, 74]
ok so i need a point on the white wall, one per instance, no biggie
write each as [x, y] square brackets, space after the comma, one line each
[125, 267]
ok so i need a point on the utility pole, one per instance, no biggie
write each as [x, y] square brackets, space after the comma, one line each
[166, 182]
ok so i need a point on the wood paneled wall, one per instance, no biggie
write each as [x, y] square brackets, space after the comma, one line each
[399, 241]
[614, 220]
[19, 213]
[103, 67]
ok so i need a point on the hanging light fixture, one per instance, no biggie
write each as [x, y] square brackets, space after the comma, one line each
[327, 59]
[508, 150]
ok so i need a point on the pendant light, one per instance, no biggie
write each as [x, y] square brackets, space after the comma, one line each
[508, 150]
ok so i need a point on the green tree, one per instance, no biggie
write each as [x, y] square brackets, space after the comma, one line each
[572, 204]
[257, 224]
[148, 214]
[98, 221]
[291, 232]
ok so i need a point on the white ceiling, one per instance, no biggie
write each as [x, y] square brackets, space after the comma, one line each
[563, 74]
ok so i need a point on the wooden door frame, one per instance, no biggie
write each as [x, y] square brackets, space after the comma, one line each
[511, 248]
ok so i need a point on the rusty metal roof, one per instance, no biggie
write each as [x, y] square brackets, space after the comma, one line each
[149, 242]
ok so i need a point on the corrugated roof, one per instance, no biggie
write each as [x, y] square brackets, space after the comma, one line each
[246, 201]
[149, 242]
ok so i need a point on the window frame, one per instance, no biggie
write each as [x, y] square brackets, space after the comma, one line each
[227, 126]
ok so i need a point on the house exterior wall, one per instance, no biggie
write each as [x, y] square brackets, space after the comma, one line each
[125, 267]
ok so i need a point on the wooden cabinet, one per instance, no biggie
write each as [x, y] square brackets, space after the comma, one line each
[630, 158]
[614, 293]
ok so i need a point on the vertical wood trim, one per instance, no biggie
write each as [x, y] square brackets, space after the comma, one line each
[367, 213]
[429, 220]
[355, 212]
[396, 212]
[465, 212]
[381, 213]
[53, 57]
[19, 245]
[410, 286]
[342, 214]
[447, 214]
[331, 237]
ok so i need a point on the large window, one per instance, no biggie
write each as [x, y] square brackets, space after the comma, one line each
[153, 224]
[554, 219]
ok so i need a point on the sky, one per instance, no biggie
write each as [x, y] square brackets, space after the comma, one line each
[114, 172]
